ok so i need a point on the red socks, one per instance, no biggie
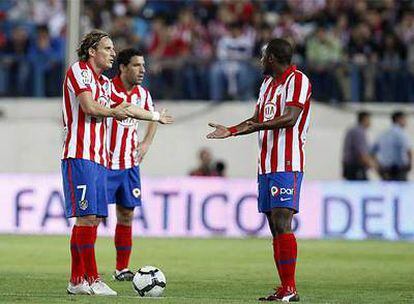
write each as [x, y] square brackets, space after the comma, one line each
[85, 237]
[123, 245]
[77, 269]
[285, 254]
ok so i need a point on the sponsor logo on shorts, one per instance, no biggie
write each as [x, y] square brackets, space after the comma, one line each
[282, 191]
[136, 192]
[283, 199]
[83, 204]
[274, 190]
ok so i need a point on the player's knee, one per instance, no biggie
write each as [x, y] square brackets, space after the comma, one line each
[89, 220]
[281, 226]
[282, 221]
[125, 216]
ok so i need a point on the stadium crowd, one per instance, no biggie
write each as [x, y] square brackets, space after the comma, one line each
[352, 50]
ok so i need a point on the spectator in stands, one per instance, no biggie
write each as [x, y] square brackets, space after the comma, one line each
[231, 71]
[376, 39]
[324, 51]
[389, 72]
[362, 55]
[393, 150]
[206, 166]
[14, 63]
[356, 157]
[46, 57]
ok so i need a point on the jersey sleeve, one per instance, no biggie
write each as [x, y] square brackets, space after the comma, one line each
[298, 90]
[262, 91]
[80, 78]
[116, 98]
[148, 105]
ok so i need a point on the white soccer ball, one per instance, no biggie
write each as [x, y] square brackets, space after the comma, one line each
[149, 281]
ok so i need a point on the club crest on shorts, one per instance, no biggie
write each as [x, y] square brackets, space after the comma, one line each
[136, 192]
[83, 204]
[274, 191]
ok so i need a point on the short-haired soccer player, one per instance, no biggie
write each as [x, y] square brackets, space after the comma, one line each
[124, 184]
[282, 119]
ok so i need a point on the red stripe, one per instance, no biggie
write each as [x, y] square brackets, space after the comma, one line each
[102, 157]
[93, 137]
[69, 117]
[73, 81]
[83, 65]
[81, 133]
[297, 87]
[289, 131]
[115, 98]
[132, 147]
[71, 188]
[301, 126]
[113, 141]
[263, 152]
[122, 151]
[146, 106]
[294, 190]
[276, 137]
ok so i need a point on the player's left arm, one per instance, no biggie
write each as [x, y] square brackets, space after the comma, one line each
[147, 141]
[288, 119]
[298, 93]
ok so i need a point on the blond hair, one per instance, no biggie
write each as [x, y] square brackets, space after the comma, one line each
[90, 40]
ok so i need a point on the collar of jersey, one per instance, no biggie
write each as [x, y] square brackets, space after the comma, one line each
[285, 74]
[120, 86]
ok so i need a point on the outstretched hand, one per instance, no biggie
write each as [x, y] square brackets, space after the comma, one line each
[220, 132]
[165, 118]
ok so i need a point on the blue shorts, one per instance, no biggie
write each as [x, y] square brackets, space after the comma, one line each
[84, 186]
[124, 187]
[279, 190]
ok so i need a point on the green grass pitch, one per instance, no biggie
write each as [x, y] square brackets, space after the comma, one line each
[35, 269]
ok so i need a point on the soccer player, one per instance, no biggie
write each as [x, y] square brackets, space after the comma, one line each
[282, 120]
[124, 185]
[86, 97]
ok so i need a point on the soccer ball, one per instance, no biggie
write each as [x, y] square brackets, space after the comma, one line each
[149, 281]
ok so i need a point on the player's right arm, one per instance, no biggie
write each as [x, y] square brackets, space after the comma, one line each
[93, 108]
[222, 132]
[138, 113]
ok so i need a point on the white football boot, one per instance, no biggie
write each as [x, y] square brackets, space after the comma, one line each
[79, 289]
[99, 288]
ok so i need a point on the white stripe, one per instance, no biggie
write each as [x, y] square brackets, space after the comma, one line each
[289, 89]
[304, 89]
[281, 150]
[295, 146]
[269, 151]
[87, 138]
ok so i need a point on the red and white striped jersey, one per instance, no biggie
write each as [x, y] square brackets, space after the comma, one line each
[282, 150]
[122, 135]
[85, 135]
